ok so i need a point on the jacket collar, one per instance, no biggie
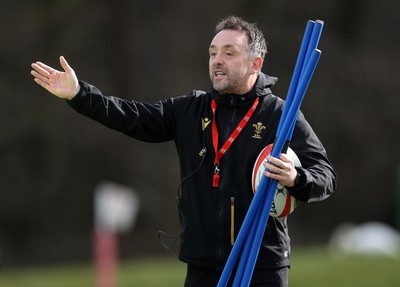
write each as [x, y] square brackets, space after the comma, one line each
[261, 88]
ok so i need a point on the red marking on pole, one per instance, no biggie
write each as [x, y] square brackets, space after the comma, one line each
[106, 258]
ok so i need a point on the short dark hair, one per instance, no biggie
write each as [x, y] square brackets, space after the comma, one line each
[257, 43]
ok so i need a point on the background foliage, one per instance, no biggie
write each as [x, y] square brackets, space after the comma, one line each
[52, 158]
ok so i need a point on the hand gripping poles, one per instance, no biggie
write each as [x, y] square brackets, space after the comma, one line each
[248, 242]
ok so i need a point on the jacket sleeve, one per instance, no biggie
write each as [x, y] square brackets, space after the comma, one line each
[146, 122]
[318, 179]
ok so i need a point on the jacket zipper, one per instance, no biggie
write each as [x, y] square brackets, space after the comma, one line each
[232, 205]
[232, 220]
[222, 211]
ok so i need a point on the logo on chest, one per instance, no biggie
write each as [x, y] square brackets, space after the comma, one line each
[204, 123]
[258, 129]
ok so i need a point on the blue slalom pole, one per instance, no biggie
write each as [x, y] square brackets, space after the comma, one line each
[314, 40]
[276, 150]
[250, 259]
[310, 42]
[255, 209]
[299, 67]
[246, 249]
[243, 232]
[297, 70]
[313, 44]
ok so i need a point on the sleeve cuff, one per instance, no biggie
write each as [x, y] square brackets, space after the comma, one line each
[75, 101]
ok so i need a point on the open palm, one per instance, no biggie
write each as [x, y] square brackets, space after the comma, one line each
[63, 84]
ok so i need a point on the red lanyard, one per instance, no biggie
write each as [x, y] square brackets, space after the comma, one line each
[230, 140]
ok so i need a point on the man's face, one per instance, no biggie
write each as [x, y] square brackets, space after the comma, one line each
[230, 67]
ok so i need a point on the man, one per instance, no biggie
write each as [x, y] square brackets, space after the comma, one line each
[216, 163]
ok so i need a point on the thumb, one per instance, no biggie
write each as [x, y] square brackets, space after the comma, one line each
[64, 64]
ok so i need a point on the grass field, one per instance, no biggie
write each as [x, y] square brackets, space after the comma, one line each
[310, 267]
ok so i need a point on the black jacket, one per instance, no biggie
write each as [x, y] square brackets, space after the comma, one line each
[206, 211]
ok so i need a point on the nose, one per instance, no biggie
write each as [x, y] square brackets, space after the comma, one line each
[217, 59]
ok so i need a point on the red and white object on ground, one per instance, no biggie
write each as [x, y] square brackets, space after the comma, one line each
[116, 208]
[283, 203]
[106, 258]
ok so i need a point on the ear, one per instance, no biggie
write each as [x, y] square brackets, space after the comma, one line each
[257, 64]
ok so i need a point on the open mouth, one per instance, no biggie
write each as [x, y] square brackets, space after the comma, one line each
[219, 74]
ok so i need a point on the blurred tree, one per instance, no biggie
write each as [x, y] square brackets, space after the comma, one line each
[52, 158]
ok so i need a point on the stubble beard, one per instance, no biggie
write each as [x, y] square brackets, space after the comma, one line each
[221, 86]
[228, 85]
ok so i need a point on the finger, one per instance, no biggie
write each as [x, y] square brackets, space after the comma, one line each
[284, 157]
[64, 64]
[278, 177]
[39, 76]
[273, 160]
[42, 83]
[273, 175]
[273, 168]
[48, 69]
[40, 70]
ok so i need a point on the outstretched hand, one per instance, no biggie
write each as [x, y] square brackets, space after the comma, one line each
[63, 84]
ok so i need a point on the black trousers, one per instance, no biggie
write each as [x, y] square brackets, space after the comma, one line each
[204, 277]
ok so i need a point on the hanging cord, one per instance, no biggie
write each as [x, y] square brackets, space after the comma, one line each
[175, 238]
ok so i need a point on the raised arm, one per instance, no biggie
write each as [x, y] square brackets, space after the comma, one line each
[63, 84]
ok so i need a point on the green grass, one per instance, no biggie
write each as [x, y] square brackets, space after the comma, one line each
[310, 268]
[314, 268]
